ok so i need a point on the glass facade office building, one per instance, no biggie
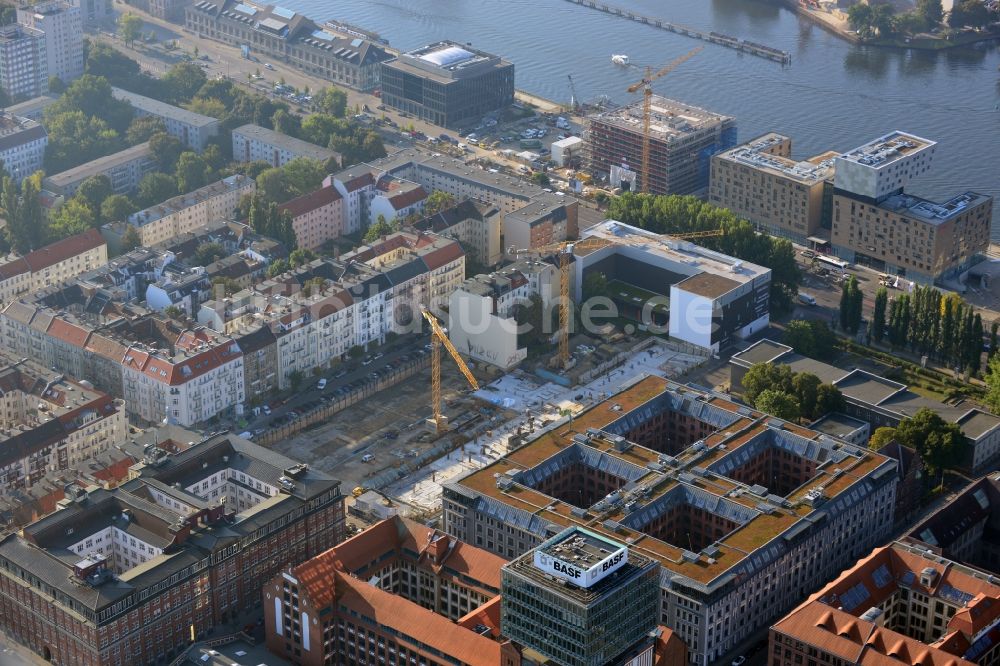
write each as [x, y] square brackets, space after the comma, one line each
[580, 599]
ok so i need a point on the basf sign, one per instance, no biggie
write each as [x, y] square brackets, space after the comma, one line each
[576, 574]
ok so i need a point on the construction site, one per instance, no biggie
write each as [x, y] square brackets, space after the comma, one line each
[682, 139]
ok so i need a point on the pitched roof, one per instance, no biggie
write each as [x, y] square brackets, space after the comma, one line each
[310, 202]
[408, 198]
[53, 253]
[443, 255]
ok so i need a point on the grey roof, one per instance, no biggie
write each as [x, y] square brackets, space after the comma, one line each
[163, 110]
[98, 166]
[290, 143]
[837, 425]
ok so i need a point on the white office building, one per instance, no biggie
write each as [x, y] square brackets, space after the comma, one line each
[63, 28]
[24, 70]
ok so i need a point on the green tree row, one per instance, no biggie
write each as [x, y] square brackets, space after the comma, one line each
[681, 214]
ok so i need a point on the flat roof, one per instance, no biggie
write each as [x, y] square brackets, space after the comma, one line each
[162, 109]
[708, 285]
[929, 211]
[883, 151]
[669, 119]
[290, 143]
[693, 258]
[754, 154]
[838, 425]
[765, 351]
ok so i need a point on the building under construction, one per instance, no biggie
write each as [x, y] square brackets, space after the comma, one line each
[683, 139]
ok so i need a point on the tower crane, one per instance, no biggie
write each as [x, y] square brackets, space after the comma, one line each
[439, 337]
[574, 100]
[565, 250]
[647, 97]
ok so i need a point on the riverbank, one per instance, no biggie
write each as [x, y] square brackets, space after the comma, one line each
[836, 23]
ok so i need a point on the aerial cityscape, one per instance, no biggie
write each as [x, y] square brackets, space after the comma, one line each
[500, 333]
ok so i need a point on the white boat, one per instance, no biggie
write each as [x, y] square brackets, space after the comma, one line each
[620, 59]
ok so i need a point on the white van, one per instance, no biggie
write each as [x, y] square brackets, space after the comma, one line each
[807, 299]
[367, 458]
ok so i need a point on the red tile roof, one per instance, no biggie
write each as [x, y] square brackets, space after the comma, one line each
[17, 267]
[356, 183]
[61, 329]
[53, 253]
[310, 202]
[406, 199]
[183, 371]
[444, 255]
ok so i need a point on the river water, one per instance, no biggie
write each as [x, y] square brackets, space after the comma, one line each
[833, 96]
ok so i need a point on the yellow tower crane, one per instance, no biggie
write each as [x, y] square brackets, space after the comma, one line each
[647, 98]
[438, 338]
[565, 250]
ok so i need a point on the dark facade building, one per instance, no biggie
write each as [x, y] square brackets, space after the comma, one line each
[134, 574]
[448, 84]
[581, 599]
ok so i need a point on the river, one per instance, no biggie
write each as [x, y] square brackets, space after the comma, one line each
[833, 96]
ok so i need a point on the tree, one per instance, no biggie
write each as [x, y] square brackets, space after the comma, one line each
[530, 318]
[206, 253]
[155, 188]
[377, 230]
[938, 442]
[130, 239]
[91, 96]
[302, 175]
[806, 394]
[851, 301]
[301, 257]
[208, 106]
[277, 267]
[881, 437]
[763, 376]
[56, 85]
[992, 379]
[143, 128]
[182, 81]
[883, 19]
[228, 286]
[73, 217]
[993, 337]
[829, 399]
[778, 403]
[859, 17]
[541, 179]
[30, 213]
[173, 312]
[295, 380]
[94, 191]
[286, 123]
[167, 150]
[437, 202]
[10, 200]
[129, 28]
[972, 13]
[271, 185]
[75, 138]
[192, 172]
[930, 11]
[332, 101]
[878, 316]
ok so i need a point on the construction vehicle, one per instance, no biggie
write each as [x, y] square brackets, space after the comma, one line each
[574, 100]
[647, 97]
[439, 337]
[565, 250]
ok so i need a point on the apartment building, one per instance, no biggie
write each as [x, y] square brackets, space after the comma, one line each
[714, 299]
[33, 108]
[967, 528]
[743, 513]
[192, 129]
[317, 217]
[448, 84]
[260, 362]
[50, 422]
[253, 143]
[683, 139]
[52, 264]
[22, 146]
[186, 212]
[124, 169]
[879, 401]
[62, 26]
[530, 214]
[760, 182]
[135, 574]
[899, 605]
[396, 199]
[476, 225]
[415, 592]
[320, 311]
[24, 66]
[341, 54]
[482, 311]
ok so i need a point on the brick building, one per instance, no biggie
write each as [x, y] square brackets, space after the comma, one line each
[135, 574]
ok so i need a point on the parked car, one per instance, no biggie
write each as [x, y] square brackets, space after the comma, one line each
[266, 410]
[367, 458]
[321, 384]
[268, 65]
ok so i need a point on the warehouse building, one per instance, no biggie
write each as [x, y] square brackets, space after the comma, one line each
[683, 139]
[448, 84]
[743, 513]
